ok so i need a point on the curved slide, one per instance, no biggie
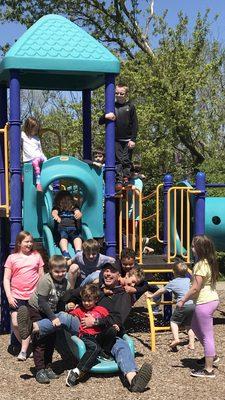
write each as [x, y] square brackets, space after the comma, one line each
[37, 206]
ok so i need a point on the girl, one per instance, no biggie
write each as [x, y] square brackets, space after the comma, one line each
[67, 214]
[203, 291]
[23, 269]
[32, 150]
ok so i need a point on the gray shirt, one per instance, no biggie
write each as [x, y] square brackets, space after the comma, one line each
[179, 287]
[86, 266]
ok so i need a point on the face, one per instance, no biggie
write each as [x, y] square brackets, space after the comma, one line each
[99, 158]
[110, 277]
[58, 274]
[127, 263]
[193, 249]
[121, 95]
[34, 130]
[130, 280]
[27, 245]
[88, 303]
[91, 256]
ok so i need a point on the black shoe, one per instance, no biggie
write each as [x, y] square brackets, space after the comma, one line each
[13, 350]
[141, 379]
[25, 324]
[202, 373]
[41, 376]
[72, 378]
[201, 361]
[51, 374]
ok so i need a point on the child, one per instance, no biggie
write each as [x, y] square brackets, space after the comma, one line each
[43, 304]
[203, 291]
[23, 269]
[68, 215]
[32, 150]
[126, 133]
[181, 316]
[88, 262]
[98, 158]
[94, 338]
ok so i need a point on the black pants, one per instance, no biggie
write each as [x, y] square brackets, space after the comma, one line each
[43, 348]
[123, 160]
[94, 345]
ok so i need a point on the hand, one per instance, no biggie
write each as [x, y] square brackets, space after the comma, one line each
[71, 306]
[97, 164]
[107, 292]
[12, 302]
[87, 321]
[131, 144]
[116, 327]
[77, 214]
[149, 295]
[56, 322]
[111, 116]
[180, 304]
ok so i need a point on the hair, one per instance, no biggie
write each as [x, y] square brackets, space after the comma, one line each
[136, 167]
[138, 272]
[122, 85]
[30, 124]
[179, 267]
[205, 250]
[57, 262]
[90, 292]
[64, 201]
[19, 238]
[127, 253]
[99, 150]
[91, 246]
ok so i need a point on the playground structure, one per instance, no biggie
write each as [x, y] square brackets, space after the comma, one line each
[55, 54]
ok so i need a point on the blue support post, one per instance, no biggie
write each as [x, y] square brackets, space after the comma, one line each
[5, 318]
[86, 108]
[167, 184]
[199, 225]
[110, 211]
[15, 164]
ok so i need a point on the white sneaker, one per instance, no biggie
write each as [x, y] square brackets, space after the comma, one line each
[22, 356]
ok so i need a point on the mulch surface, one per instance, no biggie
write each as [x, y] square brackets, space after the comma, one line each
[171, 371]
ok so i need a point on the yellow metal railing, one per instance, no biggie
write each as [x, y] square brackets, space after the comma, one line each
[185, 214]
[5, 206]
[128, 224]
[156, 215]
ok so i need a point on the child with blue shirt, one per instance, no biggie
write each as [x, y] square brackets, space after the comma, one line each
[179, 286]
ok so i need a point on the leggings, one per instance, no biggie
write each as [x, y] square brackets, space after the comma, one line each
[202, 325]
[36, 162]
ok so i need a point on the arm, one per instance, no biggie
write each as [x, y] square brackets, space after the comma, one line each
[106, 117]
[6, 284]
[41, 272]
[45, 307]
[159, 292]
[134, 123]
[55, 215]
[193, 291]
[77, 213]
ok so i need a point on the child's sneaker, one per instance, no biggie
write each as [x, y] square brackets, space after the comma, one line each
[203, 373]
[51, 374]
[66, 254]
[141, 379]
[25, 324]
[41, 376]
[22, 356]
[72, 378]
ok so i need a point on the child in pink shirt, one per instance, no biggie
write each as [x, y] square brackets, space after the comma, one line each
[23, 269]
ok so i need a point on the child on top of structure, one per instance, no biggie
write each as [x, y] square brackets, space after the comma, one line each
[87, 264]
[23, 269]
[98, 339]
[98, 158]
[32, 150]
[67, 214]
[126, 132]
[179, 286]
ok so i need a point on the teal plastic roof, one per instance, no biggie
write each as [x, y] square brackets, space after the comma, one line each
[57, 54]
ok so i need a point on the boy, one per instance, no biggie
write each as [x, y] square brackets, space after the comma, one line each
[126, 132]
[89, 261]
[43, 304]
[179, 287]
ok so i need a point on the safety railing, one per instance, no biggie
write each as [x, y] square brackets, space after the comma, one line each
[182, 231]
[5, 206]
[156, 215]
[130, 219]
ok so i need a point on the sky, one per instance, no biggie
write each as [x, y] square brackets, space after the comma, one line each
[11, 31]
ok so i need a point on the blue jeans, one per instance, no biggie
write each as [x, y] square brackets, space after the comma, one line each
[123, 356]
[90, 278]
[68, 322]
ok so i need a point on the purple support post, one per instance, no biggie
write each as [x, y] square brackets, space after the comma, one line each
[199, 225]
[167, 184]
[15, 164]
[86, 108]
[110, 209]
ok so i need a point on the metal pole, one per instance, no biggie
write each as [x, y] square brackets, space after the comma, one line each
[110, 210]
[199, 224]
[15, 164]
[86, 108]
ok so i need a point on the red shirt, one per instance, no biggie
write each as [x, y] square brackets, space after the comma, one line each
[96, 312]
